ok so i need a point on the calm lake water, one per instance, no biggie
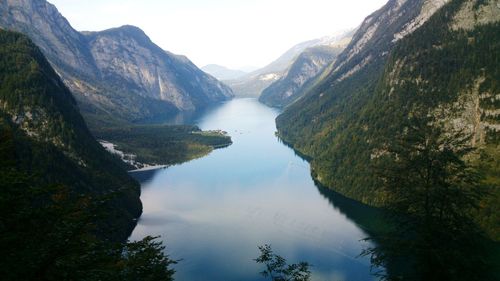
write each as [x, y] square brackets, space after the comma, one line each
[213, 212]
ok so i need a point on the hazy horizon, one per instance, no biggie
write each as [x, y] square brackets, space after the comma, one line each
[234, 34]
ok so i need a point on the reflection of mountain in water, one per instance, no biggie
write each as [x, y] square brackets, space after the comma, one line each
[371, 220]
[145, 176]
[191, 117]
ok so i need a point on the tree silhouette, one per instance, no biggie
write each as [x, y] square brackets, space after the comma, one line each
[278, 270]
[431, 191]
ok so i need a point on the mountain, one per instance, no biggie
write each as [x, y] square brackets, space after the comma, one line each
[117, 75]
[223, 73]
[255, 82]
[437, 55]
[43, 135]
[298, 77]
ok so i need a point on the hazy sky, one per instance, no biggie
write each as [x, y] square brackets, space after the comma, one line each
[233, 33]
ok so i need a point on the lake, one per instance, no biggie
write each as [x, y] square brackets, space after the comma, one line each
[213, 212]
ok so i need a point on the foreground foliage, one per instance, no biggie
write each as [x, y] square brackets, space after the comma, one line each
[48, 233]
[278, 270]
[431, 193]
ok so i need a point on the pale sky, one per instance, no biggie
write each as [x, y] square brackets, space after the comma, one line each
[233, 33]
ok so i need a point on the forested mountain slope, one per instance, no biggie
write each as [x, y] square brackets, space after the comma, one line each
[449, 66]
[117, 75]
[43, 136]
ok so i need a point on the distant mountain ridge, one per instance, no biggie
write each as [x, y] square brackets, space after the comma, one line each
[298, 76]
[117, 75]
[255, 82]
[223, 73]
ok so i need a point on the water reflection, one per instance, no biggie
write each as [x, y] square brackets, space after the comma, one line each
[214, 212]
[191, 117]
[146, 175]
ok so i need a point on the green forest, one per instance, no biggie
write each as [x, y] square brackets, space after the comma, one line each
[346, 126]
[164, 144]
[67, 206]
[408, 127]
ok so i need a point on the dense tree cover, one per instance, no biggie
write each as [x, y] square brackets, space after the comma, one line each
[50, 139]
[49, 233]
[66, 204]
[345, 125]
[430, 194]
[164, 144]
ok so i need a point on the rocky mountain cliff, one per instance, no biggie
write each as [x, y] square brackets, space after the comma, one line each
[117, 75]
[255, 82]
[307, 65]
[43, 135]
[298, 76]
[432, 54]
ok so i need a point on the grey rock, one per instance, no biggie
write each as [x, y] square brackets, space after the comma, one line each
[117, 75]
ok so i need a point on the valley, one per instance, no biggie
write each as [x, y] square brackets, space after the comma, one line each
[371, 153]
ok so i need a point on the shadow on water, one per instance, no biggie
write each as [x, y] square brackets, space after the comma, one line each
[191, 117]
[146, 176]
[289, 145]
[377, 224]
[373, 221]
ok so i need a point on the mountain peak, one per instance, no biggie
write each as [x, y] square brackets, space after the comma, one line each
[116, 74]
[129, 31]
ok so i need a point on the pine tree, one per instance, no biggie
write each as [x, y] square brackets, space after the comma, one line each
[430, 192]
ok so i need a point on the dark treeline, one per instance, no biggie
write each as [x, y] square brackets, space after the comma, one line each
[163, 144]
[47, 232]
[66, 205]
[431, 195]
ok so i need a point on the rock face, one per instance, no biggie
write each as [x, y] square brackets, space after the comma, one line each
[307, 65]
[255, 82]
[437, 55]
[47, 138]
[127, 54]
[117, 75]
[299, 75]
[379, 31]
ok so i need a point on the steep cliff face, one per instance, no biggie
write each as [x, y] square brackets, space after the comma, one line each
[299, 75]
[285, 90]
[46, 137]
[117, 75]
[409, 54]
[63, 46]
[378, 33]
[127, 54]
